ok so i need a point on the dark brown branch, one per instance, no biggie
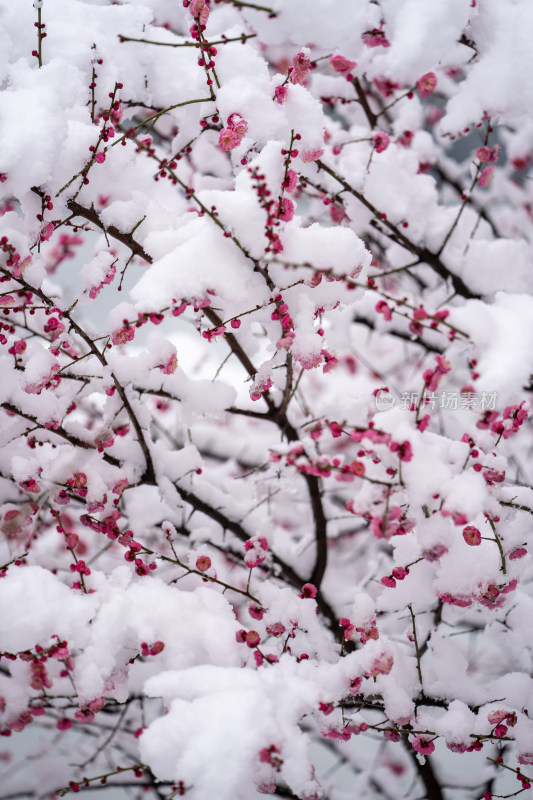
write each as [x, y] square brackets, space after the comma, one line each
[149, 468]
[278, 416]
[426, 774]
[59, 431]
[126, 238]
[287, 572]
[242, 4]
[470, 200]
[406, 337]
[371, 117]
[422, 253]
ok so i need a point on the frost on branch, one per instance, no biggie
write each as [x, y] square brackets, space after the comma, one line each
[265, 494]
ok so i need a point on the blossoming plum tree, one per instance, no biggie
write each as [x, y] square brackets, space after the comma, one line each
[266, 358]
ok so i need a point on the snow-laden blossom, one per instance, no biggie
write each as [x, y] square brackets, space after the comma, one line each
[170, 366]
[287, 209]
[311, 154]
[375, 38]
[300, 68]
[256, 551]
[422, 744]
[472, 535]
[45, 381]
[124, 334]
[259, 387]
[237, 124]
[382, 665]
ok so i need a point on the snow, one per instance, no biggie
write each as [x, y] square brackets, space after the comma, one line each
[228, 386]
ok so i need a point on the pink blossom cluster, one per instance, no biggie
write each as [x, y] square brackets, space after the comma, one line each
[299, 69]
[512, 419]
[433, 377]
[234, 132]
[256, 551]
[427, 84]
[375, 38]
[343, 66]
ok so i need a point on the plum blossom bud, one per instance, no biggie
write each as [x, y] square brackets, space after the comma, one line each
[169, 530]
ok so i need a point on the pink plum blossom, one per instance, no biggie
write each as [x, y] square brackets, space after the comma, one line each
[287, 209]
[426, 84]
[228, 139]
[375, 38]
[341, 64]
[299, 69]
[472, 535]
[311, 154]
[380, 141]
